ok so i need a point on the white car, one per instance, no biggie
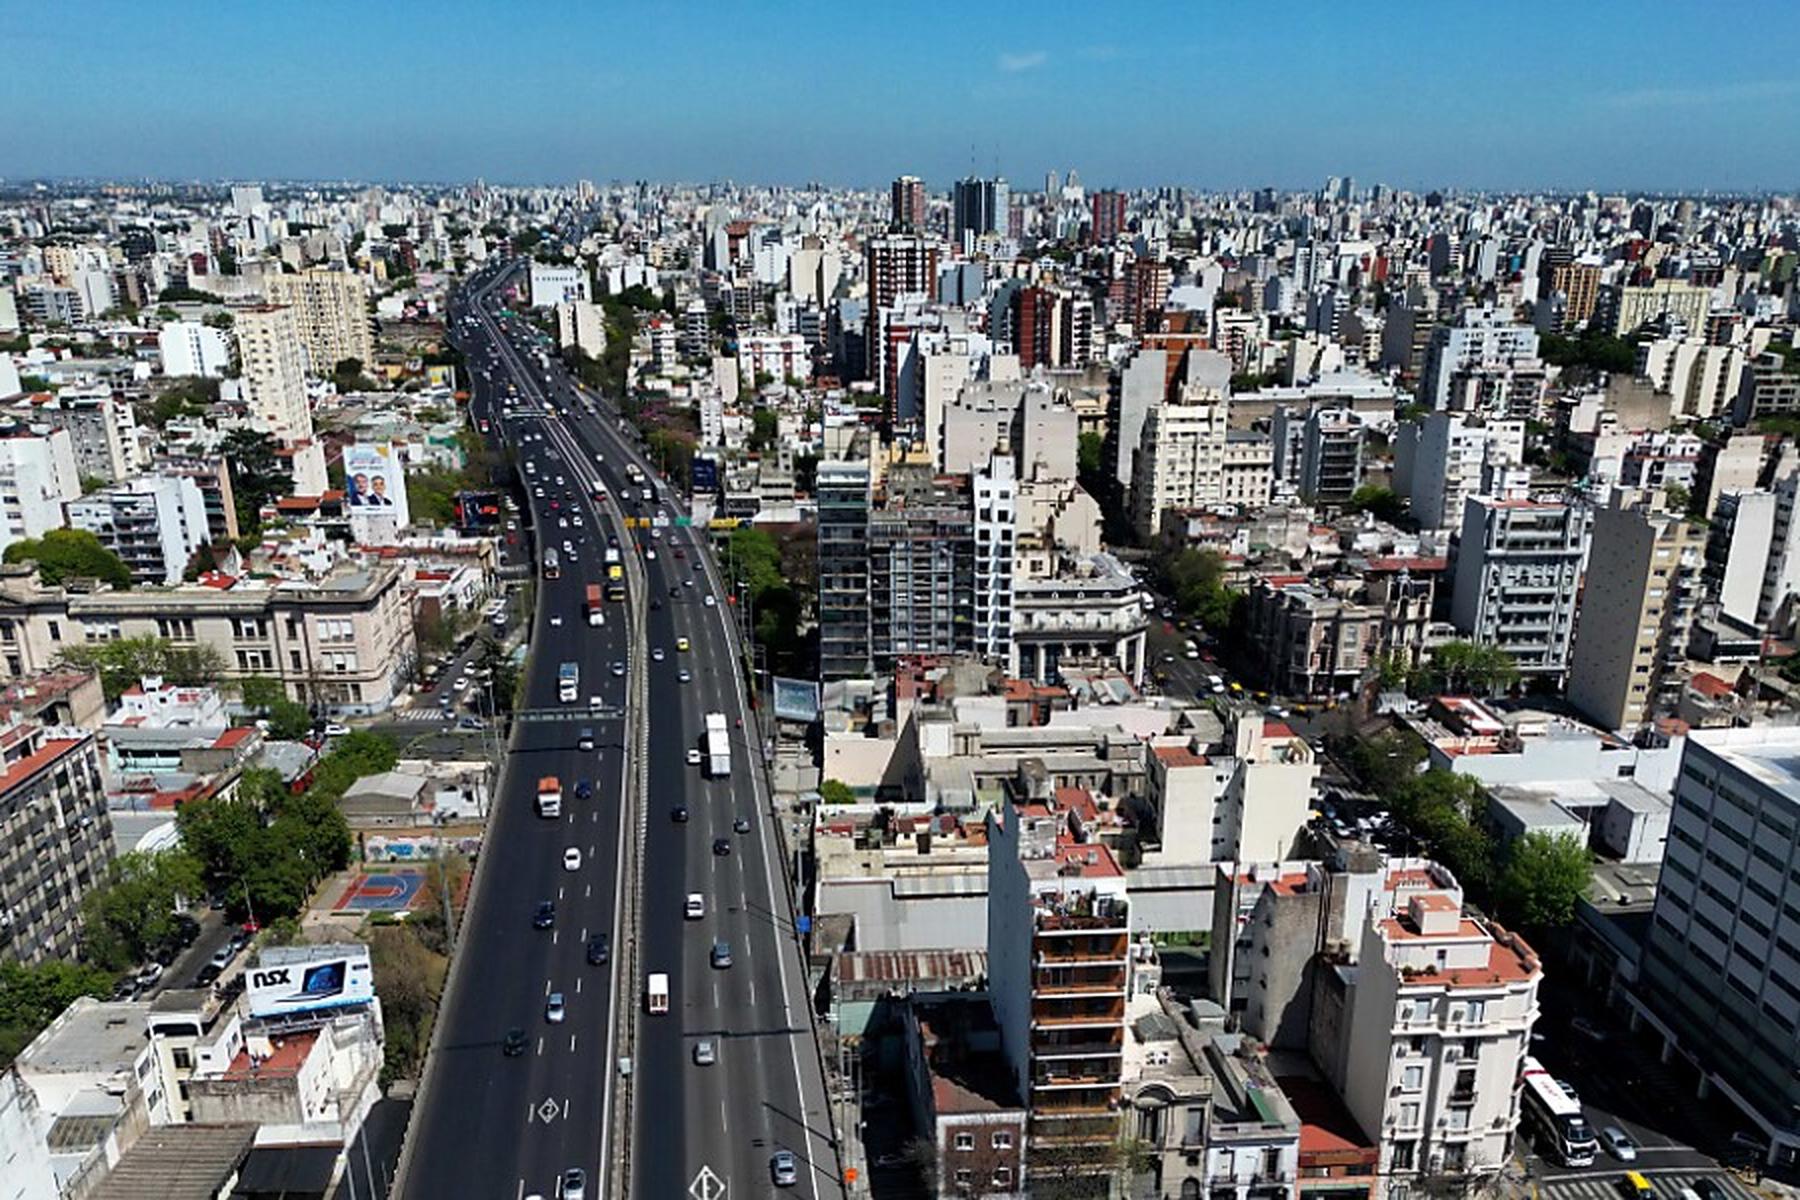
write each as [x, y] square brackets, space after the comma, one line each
[555, 619]
[650, 553]
[657, 653]
[710, 602]
[572, 859]
[695, 908]
[693, 757]
[554, 1010]
[336, 730]
[562, 522]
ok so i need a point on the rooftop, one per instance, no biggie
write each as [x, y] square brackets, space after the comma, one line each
[179, 1162]
[1767, 754]
[90, 1036]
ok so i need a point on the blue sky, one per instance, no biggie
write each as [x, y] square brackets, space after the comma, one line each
[1455, 93]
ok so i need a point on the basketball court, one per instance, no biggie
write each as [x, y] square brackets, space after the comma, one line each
[383, 891]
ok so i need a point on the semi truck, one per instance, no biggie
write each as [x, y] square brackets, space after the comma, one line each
[594, 615]
[549, 797]
[718, 746]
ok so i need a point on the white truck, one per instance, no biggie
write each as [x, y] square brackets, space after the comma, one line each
[718, 746]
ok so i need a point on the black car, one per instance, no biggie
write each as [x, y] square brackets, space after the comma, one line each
[599, 950]
[679, 814]
[546, 916]
[584, 789]
[721, 846]
[514, 1043]
[206, 976]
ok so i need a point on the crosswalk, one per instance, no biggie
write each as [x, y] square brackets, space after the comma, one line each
[1604, 1184]
[418, 716]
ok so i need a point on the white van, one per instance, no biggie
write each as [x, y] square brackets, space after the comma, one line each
[695, 908]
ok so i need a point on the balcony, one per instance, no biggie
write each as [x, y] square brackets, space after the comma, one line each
[1087, 1078]
[1076, 1013]
[1078, 1043]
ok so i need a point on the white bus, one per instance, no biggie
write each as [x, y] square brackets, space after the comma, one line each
[1562, 1132]
[656, 994]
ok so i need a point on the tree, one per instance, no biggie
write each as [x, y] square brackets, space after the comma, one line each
[257, 477]
[1467, 667]
[33, 996]
[132, 913]
[1678, 497]
[1543, 877]
[1196, 581]
[836, 791]
[125, 661]
[64, 554]
[1088, 457]
[766, 427]
[1373, 498]
[220, 835]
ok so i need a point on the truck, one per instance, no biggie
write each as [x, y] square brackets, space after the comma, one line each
[552, 565]
[656, 993]
[549, 797]
[594, 615]
[568, 682]
[718, 746]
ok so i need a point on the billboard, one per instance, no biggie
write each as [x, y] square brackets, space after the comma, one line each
[375, 491]
[796, 700]
[705, 475]
[305, 979]
[477, 512]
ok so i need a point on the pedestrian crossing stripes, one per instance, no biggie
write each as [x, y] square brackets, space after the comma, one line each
[419, 716]
[1605, 1185]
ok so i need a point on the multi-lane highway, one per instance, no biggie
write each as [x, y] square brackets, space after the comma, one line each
[506, 1126]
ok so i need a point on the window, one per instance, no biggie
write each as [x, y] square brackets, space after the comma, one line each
[1002, 1176]
[1002, 1140]
[1477, 1012]
[55, 628]
[1404, 1153]
[1421, 1010]
[964, 1177]
[182, 1058]
[964, 1141]
[1412, 1079]
[1409, 1114]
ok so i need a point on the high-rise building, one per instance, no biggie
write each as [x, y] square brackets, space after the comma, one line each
[1580, 285]
[1180, 461]
[1635, 307]
[274, 376]
[921, 567]
[1637, 608]
[1518, 578]
[331, 309]
[154, 523]
[1106, 214]
[38, 475]
[56, 839]
[978, 207]
[842, 489]
[908, 200]
[1444, 458]
[1059, 968]
[898, 265]
[1720, 970]
[1149, 291]
[1486, 363]
[190, 348]
[1331, 447]
[996, 529]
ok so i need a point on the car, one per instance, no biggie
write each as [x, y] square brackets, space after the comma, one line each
[687, 583]
[784, 1170]
[618, 668]
[1708, 1188]
[149, 974]
[513, 1044]
[1633, 1185]
[685, 675]
[584, 789]
[556, 620]
[679, 814]
[562, 522]
[538, 491]
[709, 601]
[545, 916]
[1619, 1144]
[740, 824]
[681, 644]
[471, 723]
[721, 955]
[693, 756]
[705, 1054]
[1588, 1029]
[695, 908]
[574, 1184]
[577, 519]
[721, 846]
[679, 553]
[459, 683]
[554, 1009]
[585, 739]
[206, 976]
[657, 653]
[599, 950]
[572, 858]
[221, 958]
[334, 729]
[650, 553]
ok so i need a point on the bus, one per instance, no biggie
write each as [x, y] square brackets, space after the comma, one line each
[656, 994]
[718, 746]
[552, 565]
[1562, 1132]
[568, 683]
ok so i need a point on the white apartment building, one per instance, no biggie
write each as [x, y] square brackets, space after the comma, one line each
[1442, 460]
[154, 523]
[102, 431]
[552, 285]
[38, 476]
[1721, 964]
[1180, 461]
[190, 348]
[579, 324]
[1519, 565]
[331, 310]
[1484, 363]
[1247, 473]
[1703, 379]
[1437, 1016]
[1686, 302]
[996, 530]
[777, 355]
[1245, 800]
[274, 372]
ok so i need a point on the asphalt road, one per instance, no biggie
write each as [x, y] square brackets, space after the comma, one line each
[503, 1127]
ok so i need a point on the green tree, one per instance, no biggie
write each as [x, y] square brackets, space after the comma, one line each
[257, 476]
[1679, 498]
[836, 791]
[33, 996]
[123, 662]
[1545, 874]
[132, 913]
[1088, 457]
[65, 554]
[1196, 581]
[220, 835]
[1441, 809]
[1385, 762]
[1461, 667]
[1373, 498]
[766, 428]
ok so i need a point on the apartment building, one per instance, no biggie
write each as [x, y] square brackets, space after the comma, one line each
[552, 285]
[1486, 363]
[56, 838]
[1330, 456]
[154, 523]
[1310, 641]
[1721, 961]
[843, 497]
[343, 642]
[1519, 567]
[331, 311]
[274, 371]
[1245, 797]
[1701, 378]
[1580, 285]
[38, 476]
[1090, 612]
[921, 545]
[1444, 458]
[1769, 388]
[1058, 974]
[190, 348]
[1635, 307]
[1180, 461]
[1643, 581]
[102, 429]
[996, 529]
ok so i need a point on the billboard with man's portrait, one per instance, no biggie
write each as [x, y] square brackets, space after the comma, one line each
[375, 491]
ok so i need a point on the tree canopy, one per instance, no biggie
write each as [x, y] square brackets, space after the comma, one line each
[1196, 581]
[65, 554]
[1545, 874]
[257, 476]
[32, 997]
[124, 661]
[132, 913]
[265, 849]
[1385, 503]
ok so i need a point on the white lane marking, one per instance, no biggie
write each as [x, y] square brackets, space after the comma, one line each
[578, 985]
[553, 936]
[559, 893]
[520, 1194]
[540, 1049]
[588, 891]
[546, 987]
[571, 1051]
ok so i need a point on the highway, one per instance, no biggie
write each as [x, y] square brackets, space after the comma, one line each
[506, 1127]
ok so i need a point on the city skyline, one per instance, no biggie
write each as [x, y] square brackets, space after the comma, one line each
[1153, 95]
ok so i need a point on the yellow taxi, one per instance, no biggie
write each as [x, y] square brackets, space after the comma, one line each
[1637, 1187]
[681, 644]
